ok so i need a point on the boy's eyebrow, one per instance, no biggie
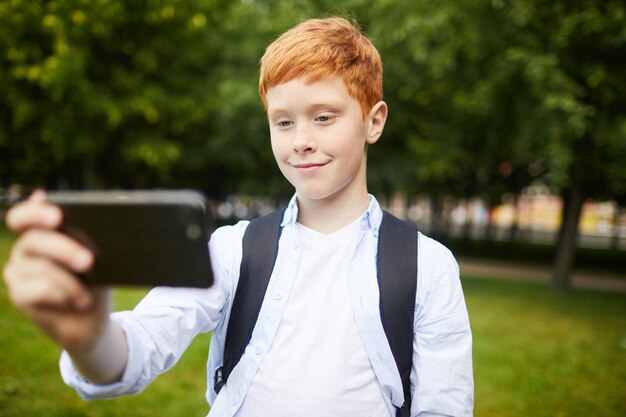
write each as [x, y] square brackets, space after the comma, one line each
[330, 105]
[275, 111]
[326, 104]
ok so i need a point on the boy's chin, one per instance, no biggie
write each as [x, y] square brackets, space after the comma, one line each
[310, 195]
[318, 196]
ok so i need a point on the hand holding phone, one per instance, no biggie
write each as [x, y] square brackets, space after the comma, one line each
[41, 272]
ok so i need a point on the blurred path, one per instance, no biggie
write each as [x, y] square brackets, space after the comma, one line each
[515, 271]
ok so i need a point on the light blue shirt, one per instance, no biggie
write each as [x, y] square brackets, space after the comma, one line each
[165, 322]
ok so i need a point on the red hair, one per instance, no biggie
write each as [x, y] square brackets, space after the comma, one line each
[325, 48]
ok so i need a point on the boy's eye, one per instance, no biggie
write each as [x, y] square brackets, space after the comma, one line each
[324, 118]
[283, 123]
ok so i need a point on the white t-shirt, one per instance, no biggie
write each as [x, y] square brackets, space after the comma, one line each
[329, 374]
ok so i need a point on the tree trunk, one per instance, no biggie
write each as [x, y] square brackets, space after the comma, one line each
[89, 176]
[573, 198]
[514, 229]
[466, 234]
[436, 208]
[615, 234]
[489, 227]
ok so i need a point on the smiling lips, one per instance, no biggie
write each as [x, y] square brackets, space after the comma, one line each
[308, 167]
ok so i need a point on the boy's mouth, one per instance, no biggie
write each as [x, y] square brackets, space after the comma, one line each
[308, 167]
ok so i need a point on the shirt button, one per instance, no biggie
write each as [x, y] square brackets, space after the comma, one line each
[296, 245]
[278, 295]
[234, 402]
[258, 350]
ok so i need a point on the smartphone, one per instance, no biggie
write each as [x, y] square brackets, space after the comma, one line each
[140, 238]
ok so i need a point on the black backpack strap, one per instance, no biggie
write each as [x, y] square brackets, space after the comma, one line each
[260, 248]
[397, 281]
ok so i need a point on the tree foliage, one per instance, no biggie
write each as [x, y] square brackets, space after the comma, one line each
[485, 96]
[501, 92]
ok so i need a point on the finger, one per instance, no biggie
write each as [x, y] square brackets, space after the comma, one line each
[40, 283]
[33, 213]
[71, 329]
[38, 195]
[54, 246]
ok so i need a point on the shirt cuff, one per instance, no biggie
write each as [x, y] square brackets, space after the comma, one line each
[130, 382]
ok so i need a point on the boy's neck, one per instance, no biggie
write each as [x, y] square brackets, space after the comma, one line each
[329, 215]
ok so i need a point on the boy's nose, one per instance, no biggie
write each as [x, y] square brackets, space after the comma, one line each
[303, 140]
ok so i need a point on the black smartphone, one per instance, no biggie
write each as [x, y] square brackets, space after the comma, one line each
[140, 238]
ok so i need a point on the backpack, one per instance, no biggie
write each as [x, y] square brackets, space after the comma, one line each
[397, 281]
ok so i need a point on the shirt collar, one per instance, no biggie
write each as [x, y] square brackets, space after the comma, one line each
[291, 212]
[370, 220]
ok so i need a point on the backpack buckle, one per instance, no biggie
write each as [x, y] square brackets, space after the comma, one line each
[218, 380]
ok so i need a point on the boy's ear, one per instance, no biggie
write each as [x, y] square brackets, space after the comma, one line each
[376, 121]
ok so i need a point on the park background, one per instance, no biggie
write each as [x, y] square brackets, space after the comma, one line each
[506, 140]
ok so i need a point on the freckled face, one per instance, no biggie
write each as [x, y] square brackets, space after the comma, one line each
[318, 138]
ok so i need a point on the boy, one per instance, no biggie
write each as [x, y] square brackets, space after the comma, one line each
[318, 347]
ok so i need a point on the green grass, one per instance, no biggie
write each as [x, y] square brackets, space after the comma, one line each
[541, 353]
[536, 353]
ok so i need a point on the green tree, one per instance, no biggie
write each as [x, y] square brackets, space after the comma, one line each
[138, 94]
[500, 91]
[103, 93]
[485, 96]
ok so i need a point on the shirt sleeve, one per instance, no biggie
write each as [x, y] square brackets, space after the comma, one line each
[161, 327]
[442, 375]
